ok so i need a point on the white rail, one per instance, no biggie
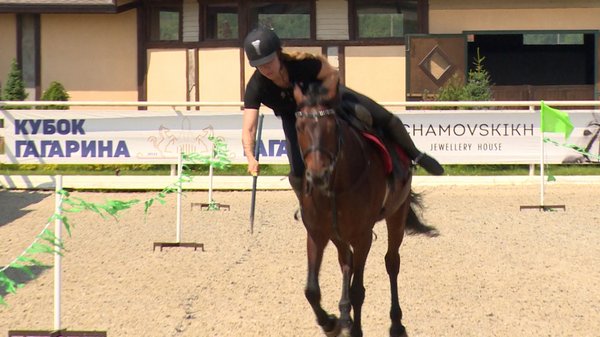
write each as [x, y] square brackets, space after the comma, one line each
[240, 104]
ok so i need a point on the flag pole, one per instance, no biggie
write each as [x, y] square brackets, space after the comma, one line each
[57, 253]
[551, 120]
[541, 159]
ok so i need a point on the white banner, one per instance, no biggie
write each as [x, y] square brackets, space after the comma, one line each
[497, 136]
[156, 137]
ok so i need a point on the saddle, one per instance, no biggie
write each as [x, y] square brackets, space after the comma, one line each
[360, 119]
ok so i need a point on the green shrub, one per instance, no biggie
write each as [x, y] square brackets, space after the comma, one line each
[453, 90]
[477, 88]
[14, 88]
[55, 92]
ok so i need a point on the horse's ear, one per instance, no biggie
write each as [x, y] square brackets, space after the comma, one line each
[298, 96]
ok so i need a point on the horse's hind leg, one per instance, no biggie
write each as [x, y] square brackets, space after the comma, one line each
[314, 250]
[395, 226]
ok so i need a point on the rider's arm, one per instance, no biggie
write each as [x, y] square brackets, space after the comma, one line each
[249, 124]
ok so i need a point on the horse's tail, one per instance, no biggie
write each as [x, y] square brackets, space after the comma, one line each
[414, 224]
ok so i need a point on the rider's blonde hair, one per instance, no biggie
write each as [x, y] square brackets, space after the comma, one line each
[300, 55]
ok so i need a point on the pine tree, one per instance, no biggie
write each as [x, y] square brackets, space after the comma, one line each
[56, 92]
[14, 88]
[477, 88]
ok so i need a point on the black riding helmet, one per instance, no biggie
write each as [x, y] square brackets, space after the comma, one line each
[261, 46]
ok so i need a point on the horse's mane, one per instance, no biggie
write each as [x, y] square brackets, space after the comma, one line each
[316, 94]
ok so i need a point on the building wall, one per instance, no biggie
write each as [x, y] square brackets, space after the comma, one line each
[93, 56]
[515, 4]
[448, 17]
[8, 44]
[167, 75]
[377, 71]
[219, 83]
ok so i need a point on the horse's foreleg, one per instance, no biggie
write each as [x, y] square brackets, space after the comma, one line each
[395, 227]
[357, 291]
[314, 251]
[345, 305]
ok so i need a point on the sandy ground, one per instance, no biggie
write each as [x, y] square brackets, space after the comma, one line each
[494, 270]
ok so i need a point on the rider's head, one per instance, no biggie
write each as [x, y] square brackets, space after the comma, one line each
[261, 46]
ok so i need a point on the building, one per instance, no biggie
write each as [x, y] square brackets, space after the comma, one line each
[190, 50]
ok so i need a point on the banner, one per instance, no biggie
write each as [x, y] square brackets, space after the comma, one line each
[498, 136]
[156, 137]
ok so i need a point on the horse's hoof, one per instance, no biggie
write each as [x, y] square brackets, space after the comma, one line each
[345, 333]
[398, 332]
[335, 332]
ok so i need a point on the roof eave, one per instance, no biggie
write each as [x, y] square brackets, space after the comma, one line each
[23, 8]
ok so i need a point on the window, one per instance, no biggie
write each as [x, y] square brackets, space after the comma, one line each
[291, 20]
[553, 39]
[386, 18]
[165, 22]
[221, 22]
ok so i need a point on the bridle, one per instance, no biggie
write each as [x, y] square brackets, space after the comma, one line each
[333, 156]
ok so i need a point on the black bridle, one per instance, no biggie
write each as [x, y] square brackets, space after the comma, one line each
[333, 156]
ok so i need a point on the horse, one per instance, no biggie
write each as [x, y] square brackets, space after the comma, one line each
[346, 189]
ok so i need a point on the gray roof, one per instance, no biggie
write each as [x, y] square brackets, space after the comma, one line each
[57, 6]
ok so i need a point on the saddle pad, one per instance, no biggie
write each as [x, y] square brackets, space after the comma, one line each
[385, 155]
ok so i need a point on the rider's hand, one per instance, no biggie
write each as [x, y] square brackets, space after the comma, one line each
[253, 167]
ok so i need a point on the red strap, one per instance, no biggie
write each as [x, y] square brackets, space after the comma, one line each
[387, 159]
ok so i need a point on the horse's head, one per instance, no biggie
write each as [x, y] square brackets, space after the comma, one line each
[318, 137]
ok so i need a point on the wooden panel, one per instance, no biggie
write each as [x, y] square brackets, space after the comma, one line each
[432, 61]
[597, 88]
[543, 92]
[332, 20]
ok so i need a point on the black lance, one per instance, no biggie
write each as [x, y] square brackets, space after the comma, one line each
[255, 178]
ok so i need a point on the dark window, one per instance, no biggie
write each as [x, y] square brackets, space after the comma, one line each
[385, 18]
[221, 22]
[291, 20]
[165, 22]
[511, 61]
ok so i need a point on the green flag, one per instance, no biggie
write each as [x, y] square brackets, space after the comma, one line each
[554, 120]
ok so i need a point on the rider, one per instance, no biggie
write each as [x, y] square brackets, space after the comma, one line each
[272, 85]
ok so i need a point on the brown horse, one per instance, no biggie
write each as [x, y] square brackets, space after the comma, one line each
[345, 191]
